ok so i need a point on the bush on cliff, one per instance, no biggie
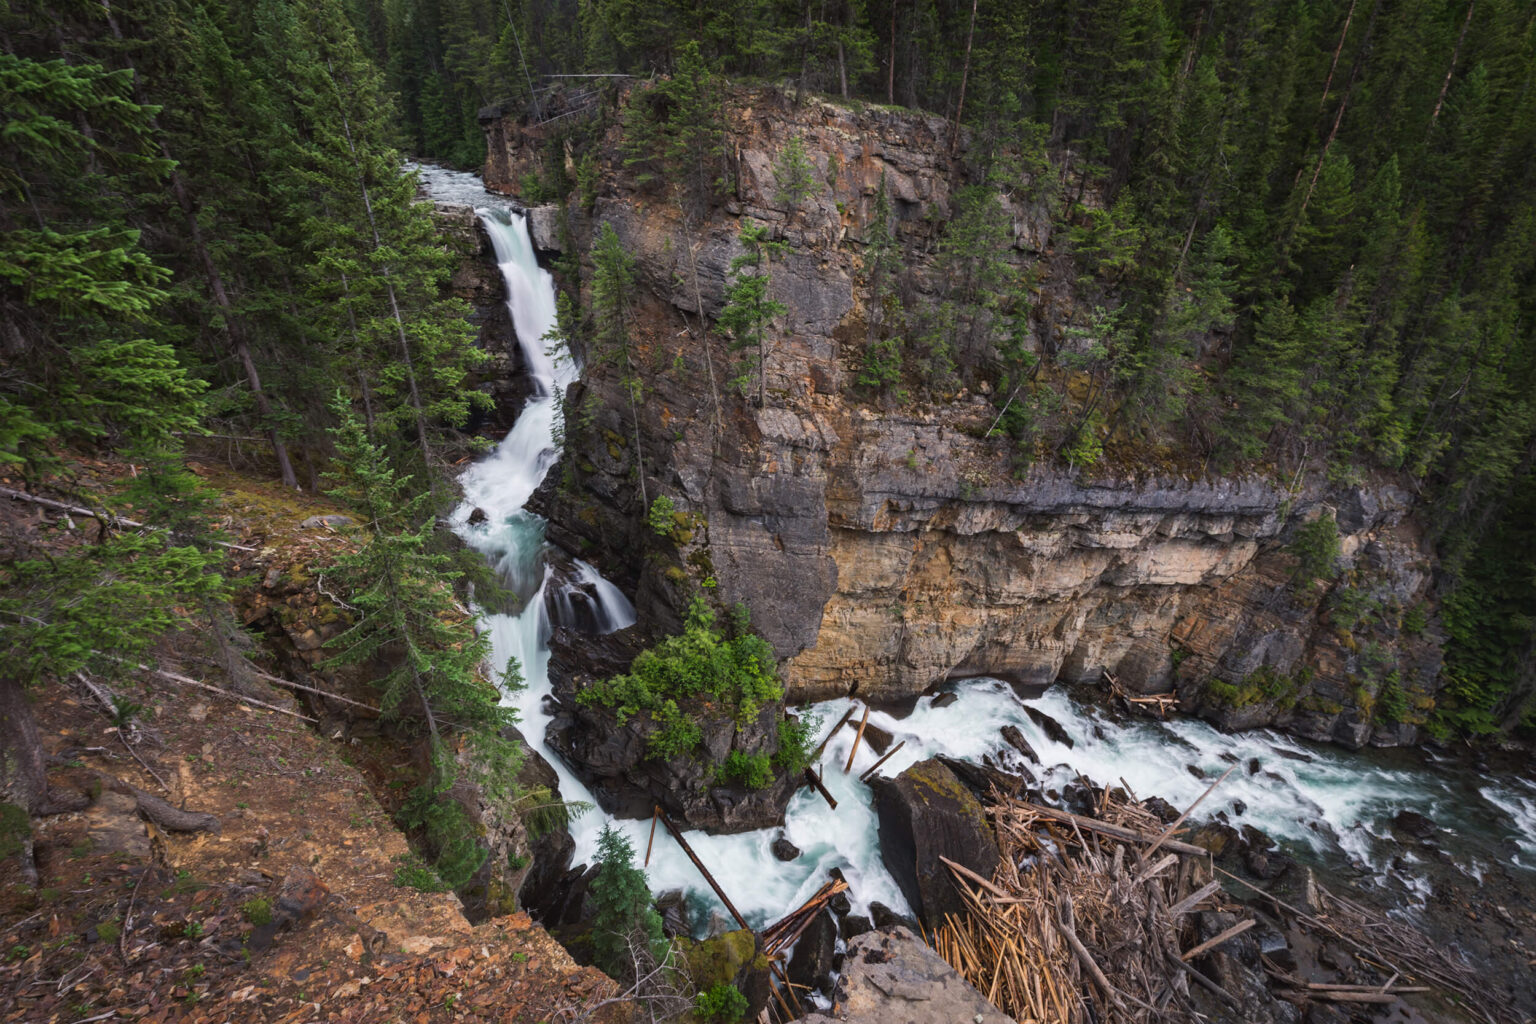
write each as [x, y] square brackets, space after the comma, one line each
[700, 665]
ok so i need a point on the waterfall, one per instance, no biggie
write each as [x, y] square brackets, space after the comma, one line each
[1317, 801]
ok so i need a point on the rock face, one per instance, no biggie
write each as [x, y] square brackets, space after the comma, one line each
[927, 813]
[892, 977]
[891, 549]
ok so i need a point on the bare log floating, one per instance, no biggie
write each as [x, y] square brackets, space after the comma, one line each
[859, 738]
[667, 822]
[815, 781]
[883, 758]
[816, 754]
[651, 841]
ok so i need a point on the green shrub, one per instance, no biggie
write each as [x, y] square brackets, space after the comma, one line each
[661, 516]
[1415, 620]
[414, 873]
[795, 746]
[258, 911]
[697, 666]
[1317, 549]
[1391, 701]
[721, 1004]
[755, 771]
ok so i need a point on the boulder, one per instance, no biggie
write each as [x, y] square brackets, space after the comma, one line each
[1414, 824]
[1015, 739]
[811, 963]
[1049, 726]
[733, 958]
[616, 764]
[783, 849]
[892, 977]
[927, 813]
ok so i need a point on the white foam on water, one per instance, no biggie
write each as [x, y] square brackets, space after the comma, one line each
[1325, 801]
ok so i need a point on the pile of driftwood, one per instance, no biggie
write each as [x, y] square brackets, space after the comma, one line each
[1084, 918]
[780, 936]
[1390, 947]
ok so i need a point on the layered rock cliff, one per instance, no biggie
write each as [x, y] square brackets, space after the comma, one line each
[890, 550]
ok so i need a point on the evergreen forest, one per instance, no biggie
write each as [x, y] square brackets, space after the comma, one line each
[1306, 228]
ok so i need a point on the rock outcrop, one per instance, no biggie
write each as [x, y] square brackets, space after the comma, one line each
[892, 975]
[928, 815]
[891, 549]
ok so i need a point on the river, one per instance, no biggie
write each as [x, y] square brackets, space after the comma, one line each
[1325, 806]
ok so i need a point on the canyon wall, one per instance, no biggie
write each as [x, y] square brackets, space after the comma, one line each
[891, 549]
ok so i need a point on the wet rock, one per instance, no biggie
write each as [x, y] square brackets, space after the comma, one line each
[616, 764]
[884, 917]
[672, 905]
[876, 738]
[1253, 766]
[1293, 755]
[1048, 725]
[927, 813]
[1414, 824]
[783, 849]
[944, 700]
[855, 925]
[811, 962]
[477, 517]
[1015, 739]
[981, 779]
[893, 976]
[1239, 807]
[1162, 808]
[1216, 837]
[1195, 770]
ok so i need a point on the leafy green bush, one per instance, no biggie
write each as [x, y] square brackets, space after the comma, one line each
[661, 516]
[795, 736]
[699, 665]
[721, 1004]
[755, 771]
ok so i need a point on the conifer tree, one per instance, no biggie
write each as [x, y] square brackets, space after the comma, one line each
[749, 309]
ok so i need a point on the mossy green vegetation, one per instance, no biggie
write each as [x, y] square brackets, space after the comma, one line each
[732, 671]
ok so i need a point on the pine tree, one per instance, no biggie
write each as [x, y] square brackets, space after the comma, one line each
[624, 911]
[749, 309]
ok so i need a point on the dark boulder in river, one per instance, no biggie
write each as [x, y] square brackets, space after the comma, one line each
[926, 813]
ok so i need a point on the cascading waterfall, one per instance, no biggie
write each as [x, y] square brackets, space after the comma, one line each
[1333, 805]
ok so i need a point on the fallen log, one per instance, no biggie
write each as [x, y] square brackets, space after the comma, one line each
[1112, 831]
[100, 515]
[173, 819]
[815, 782]
[1210, 944]
[884, 758]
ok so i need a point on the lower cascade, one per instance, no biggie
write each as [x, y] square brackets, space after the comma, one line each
[1320, 803]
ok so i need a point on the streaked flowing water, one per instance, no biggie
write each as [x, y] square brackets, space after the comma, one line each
[1319, 802]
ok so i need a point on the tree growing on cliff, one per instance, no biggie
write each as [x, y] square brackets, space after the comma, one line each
[613, 281]
[793, 175]
[674, 131]
[749, 310]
